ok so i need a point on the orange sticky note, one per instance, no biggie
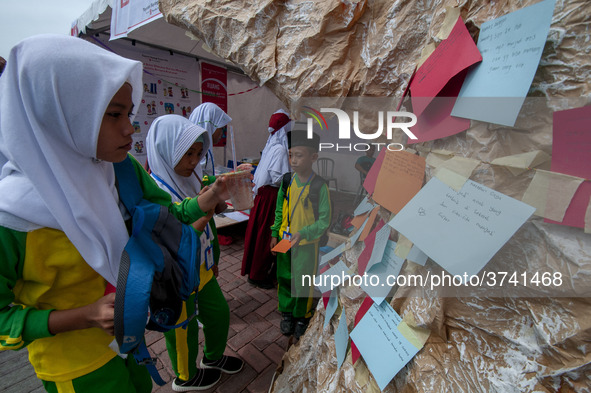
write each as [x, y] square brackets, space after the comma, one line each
[283, 246]
[372, 218]
[400, 178]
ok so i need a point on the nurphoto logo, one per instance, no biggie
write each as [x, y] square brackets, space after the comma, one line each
[393, 120]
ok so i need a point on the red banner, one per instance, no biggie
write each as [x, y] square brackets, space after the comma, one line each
[214, 81]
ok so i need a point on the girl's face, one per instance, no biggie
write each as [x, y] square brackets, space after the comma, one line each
[190, 160]
[114, 140]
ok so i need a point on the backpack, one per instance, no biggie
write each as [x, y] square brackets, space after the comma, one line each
[159, 270]
[313, 197]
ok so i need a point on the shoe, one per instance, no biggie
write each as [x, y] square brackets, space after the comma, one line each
[287, 325]
[227, 364]
[263, 284]
[300, 327]
[203, 380]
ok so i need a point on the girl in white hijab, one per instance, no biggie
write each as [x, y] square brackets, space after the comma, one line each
[65, 116]
[213, 119]
[175, 147]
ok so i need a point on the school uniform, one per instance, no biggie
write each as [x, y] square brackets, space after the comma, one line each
[257, 260]
[294, 213]
[168, 140]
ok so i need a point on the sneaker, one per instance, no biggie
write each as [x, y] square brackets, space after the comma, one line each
[287, 325]
[300, 327]
[203, 380]
[263, 284]
[227, 364]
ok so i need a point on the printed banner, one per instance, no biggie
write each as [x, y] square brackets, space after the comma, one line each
[129, 15]
[214, 82]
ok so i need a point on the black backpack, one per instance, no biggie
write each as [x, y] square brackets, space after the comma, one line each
[313, 197]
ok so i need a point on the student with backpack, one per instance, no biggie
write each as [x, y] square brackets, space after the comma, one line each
[175, 147]
[302, 215]
[65, 117]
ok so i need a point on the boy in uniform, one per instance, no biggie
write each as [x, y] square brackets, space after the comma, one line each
[302, 215]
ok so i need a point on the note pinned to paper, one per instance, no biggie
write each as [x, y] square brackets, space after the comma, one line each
[283, 246]
[341, 339]
[417, 256]
[332, 254]
[460, 230]
[364, 206]
[367, 252]
[383, 347]
[331, 307]
[367, 303]
[379, 246]
[519, 163]
[372, 176]
[511, 47]
[571, 155]
[400, 178]
[378, 284]
[437, 83]
[551, 193]
[332, 277]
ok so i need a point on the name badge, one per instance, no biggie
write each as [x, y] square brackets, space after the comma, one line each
[286, 235]
[209, 262]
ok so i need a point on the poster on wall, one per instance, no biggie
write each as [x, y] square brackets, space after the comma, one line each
[129, 15]
[214, 82]
[170, 86]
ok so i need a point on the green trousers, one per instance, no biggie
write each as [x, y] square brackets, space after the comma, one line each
[118, 375]
[294, 297]
[183, 344]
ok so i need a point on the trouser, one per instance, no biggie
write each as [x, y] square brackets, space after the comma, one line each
[293, 295]
[183, 344]
[118, 375]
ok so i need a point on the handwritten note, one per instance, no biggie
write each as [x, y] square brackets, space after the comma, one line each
[367, 303]
[511, 47]
[400, 178]
[460, 230]
[571, 155]
[383, 347]
[376, 285]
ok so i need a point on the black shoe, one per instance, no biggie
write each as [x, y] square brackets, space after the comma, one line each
[300, 327]
[203, 380]
[287, 324]
[263, 284]
[227, 364]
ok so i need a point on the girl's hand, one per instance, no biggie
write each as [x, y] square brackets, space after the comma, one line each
[274, 242]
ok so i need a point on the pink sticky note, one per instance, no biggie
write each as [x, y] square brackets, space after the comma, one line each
[571, 154]
[454, 54]
[367, 302]
[366, 253]
[372, 176]
[442, 76]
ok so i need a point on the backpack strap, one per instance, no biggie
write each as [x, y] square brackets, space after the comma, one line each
[285, 180]
[314, 194]
[130, 191]
[143, 358]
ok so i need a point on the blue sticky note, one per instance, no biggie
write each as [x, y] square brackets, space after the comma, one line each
[332, 278]
[331, 307]
[460, 230]
[335, 252]
[383, 347]
[380, 278]
[379, 246]
[417, 256]
[341, 339]
[511, 48]
[364, 206]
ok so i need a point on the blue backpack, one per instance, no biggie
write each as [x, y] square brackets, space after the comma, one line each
[159, 270]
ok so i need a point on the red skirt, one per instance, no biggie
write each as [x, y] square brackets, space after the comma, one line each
[257, 261]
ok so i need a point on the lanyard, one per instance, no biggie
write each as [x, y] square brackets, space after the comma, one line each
[167, 186]
[290, 216]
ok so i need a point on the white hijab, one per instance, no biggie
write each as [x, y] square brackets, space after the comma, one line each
[275, 157]
[211, 117]
[169, 138]
[53, 95]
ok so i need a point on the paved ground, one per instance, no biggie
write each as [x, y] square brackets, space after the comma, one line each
[254, 334]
